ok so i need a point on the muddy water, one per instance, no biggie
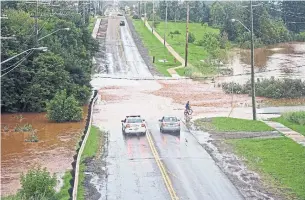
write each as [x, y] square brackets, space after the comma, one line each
[54, 150]
[285, 60]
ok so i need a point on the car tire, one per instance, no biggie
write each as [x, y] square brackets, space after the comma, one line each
[178, 132]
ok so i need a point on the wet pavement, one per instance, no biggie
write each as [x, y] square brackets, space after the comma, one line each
[131, 171]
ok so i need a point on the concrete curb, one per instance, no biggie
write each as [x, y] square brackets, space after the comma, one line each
[82, 143]
[96, 27]
[138, 78]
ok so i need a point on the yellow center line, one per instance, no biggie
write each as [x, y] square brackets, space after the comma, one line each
[163, 171]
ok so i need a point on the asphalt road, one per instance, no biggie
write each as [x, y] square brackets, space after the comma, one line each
[133, 169]
[121, 51]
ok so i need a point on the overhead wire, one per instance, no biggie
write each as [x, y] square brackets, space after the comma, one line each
[17, 64]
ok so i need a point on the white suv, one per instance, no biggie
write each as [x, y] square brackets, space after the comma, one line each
[133, 124]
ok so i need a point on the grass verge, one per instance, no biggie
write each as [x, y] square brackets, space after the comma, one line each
[177, 41]
[155, 48]
[280, 161]
[228, 124]
[296, 127]
[180, 71]
[91, 23]
[93, 144]
[63, 194]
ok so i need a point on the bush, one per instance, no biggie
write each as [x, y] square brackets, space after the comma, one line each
[295, 117]
[81, 93]
[191, 38]
[135, 17]
[271, 88]
[177, 32]
[37, 184]
[62, 108]
[232, 87]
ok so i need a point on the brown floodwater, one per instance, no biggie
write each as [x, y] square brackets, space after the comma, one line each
[286, 60]
[54, 150]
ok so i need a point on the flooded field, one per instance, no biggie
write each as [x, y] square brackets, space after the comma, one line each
[285, 60]
[54, 150]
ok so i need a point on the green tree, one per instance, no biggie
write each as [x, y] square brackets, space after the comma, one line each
[67, 64]
[191, 37]
[63, 108]
[81, 93]
[37, 182]
[49, 76]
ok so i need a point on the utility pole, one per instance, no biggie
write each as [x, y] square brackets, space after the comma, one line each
[153, 25]
[165, 25]
[187, 32]
[139, 9]
[252, 67]
[36, 23]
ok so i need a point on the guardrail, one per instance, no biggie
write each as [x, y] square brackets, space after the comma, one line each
[79, 151]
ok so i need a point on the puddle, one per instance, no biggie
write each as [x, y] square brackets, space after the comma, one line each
[54, 150]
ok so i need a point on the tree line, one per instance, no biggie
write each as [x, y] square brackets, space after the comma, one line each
[66, 65]
[274, 21]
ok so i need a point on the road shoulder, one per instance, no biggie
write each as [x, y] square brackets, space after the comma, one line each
[254, 161]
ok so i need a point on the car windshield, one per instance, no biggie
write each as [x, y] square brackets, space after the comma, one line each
[170, 119]
[134, 120]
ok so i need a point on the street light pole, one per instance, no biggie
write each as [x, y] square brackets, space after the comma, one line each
[252, 67]
[153, 25]
[187, 33]
[38, 48]
[165, 28]
[67, 29]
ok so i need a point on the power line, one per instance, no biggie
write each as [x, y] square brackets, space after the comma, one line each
[19, 63]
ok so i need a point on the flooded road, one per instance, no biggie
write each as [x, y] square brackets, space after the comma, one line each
[54, 150]
[131, 168]
[285, 60]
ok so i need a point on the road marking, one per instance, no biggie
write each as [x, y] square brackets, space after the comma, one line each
[163, 171]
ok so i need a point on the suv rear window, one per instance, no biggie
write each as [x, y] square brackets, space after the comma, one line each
[170, 119]
[134, 120]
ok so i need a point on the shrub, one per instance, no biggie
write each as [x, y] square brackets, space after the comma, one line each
[135, 17]
[295, 117]
[62, 108]
[177, 32]
[191, 38]
[37, 184]
[271, 88]
[232, 87]
[25, 128]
